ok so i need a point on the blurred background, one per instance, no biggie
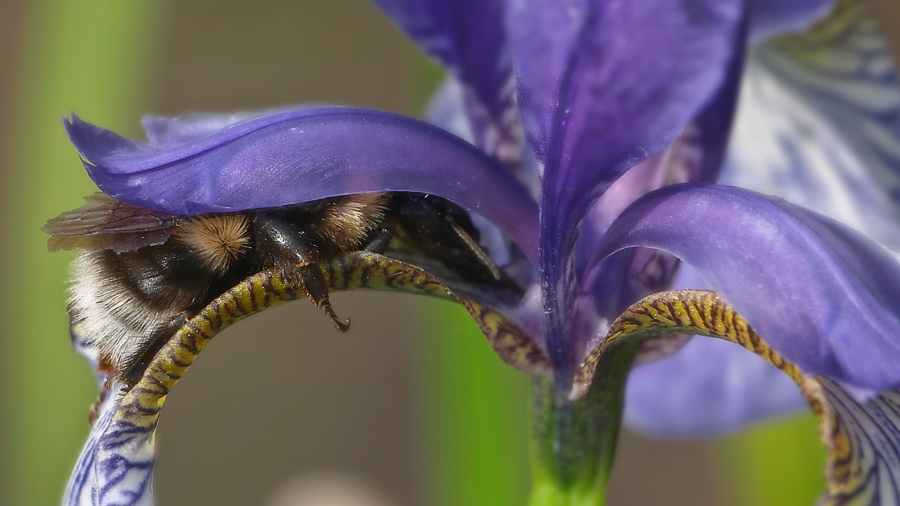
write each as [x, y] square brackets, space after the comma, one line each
[408, 408]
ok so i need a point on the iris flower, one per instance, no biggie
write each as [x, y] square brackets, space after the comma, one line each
[598, 129]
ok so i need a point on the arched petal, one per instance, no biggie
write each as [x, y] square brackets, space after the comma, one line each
[861, 434]
[694, 156]
[684, 385]
[819, 123]
[116, 465]
[822, 295]
[299, 155]
[469, 38]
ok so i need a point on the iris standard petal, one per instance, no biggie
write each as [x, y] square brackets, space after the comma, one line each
[695, 155]
[636, 74]
[299, 155]
[541, 34]
[469, 38]
[824, 296]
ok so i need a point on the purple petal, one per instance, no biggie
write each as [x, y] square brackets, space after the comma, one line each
[624, 97]
[636, 74]
[616, 82]
[768, 17]
[542, 34]
[695, 156]
[295, 156]
[469, 38]
[817, 120]
[819, 293]
[166, 132]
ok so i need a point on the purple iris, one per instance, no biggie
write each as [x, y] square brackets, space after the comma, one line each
[610, 103]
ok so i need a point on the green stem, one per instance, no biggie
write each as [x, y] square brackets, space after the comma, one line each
[775, 464]
[574, 443]
[473, 414]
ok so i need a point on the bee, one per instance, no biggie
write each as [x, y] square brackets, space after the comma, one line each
[142, 274]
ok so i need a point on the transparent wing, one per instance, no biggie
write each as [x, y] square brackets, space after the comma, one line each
[105, 223]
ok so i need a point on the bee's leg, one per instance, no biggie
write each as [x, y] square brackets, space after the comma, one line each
[136, 366]
[285, 245]
[474, 248]
[378, 241]
[310, 276]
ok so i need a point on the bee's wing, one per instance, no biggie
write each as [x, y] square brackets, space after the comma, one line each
[105, 223]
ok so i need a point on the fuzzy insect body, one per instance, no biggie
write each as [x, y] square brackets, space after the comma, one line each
[141, 274]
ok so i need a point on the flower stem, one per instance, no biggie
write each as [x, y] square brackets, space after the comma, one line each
[574, 443]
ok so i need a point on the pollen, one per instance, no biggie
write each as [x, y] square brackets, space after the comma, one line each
[218, 240]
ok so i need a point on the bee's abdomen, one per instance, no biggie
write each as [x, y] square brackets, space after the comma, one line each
[124, 302]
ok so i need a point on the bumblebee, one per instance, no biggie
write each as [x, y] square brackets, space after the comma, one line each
[141, 273]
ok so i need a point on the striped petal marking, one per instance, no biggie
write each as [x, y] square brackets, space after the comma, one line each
[116, 465]
[862, 436]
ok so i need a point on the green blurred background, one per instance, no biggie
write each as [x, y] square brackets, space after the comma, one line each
[411, 403]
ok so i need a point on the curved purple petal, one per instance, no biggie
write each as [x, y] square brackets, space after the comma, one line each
[469, 38]
[696, 155]
[768, 17]
[299, 155]
[818, 116]
[821, 294]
